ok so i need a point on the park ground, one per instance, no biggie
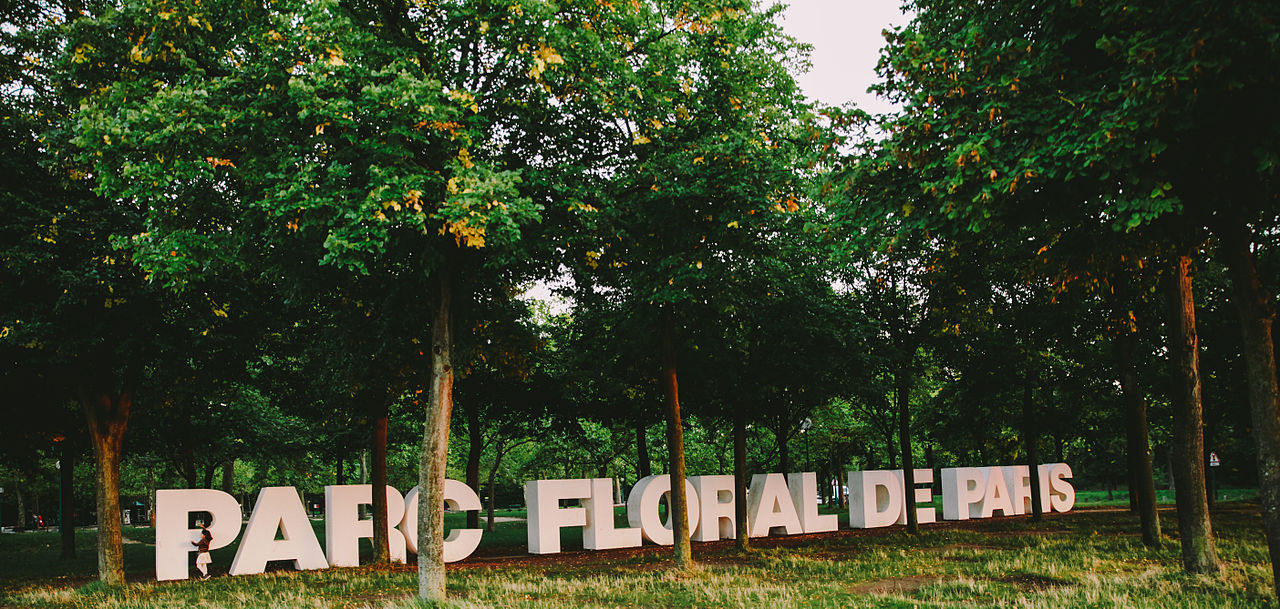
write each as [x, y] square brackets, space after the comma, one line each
[1090, 557]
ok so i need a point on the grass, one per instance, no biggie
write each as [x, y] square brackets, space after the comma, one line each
[1087, 558]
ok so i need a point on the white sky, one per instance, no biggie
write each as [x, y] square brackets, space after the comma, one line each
[846, 40]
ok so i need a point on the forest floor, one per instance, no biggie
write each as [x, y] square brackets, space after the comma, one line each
[1090, 557]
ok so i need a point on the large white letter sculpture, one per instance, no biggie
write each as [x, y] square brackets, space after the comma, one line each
[642, 508]
[279, 508]
[459, 543]
[769, 505]
[875, 499]
[174, 539]
[343, 528]
[546, 517]
[600, 532]
[804, 494]
[716, 505]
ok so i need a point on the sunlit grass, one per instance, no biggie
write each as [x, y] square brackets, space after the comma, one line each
[1083, 559]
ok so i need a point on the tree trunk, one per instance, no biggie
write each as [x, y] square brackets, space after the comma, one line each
[1198, 552]
[1257, 314]
[229, 477]
[683, 551]
[381, 544]
[22, 507]
[208, 476]
[1138, 445]
[1033, 449]
[340, 477]
[741, 537]
[475, 446]
[67, 500]
[642, 450]
[435, 447]
[108, 415]
[493, 476]
[903, 393]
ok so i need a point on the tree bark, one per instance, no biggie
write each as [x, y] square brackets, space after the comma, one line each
[435, 447]
[1033, 449]
[229, 477]
[682, 549]
[381, 543]
[642, 450]
[67, 500]
[493, 477]
[784, 451]
[1257, 315]
[1199, 554]
[108, 416]
[1137, 441]
[741, 535]
[903, 393]
[475, 448]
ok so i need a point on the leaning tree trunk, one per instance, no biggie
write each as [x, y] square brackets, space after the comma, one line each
[475, 446]
[1033, 447]
[435, 448]
[742, 537]
[381, 543]
[903, 394]
[67, 500]
[1256, 313]
[1137, 442]
[1199, 554]
[683, 550]
[108, 415]
[493, 482]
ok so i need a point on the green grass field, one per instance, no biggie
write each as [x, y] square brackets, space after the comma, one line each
[1087, 558]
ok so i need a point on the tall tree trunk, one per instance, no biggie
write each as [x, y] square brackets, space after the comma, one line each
[435, 446]
[381, 544]
[208, 475]
[475, 446]
[108, 415]
[1033, 446]
[1257, 314]
[741, 538]
[1137, 442]
[903, 393]
[642, 450]
[22, 507]
[67, 500]
[1199, 554]
[229, 477]
[493, 477]
[340, 476]
[683, 551]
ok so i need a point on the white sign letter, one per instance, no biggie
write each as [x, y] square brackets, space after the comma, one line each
[343, 528]
[716, 504]
[600, 533]
[770, 506]
[174, 539]
[279, 508]
[642, 508]
[804, 493]
[546, 517]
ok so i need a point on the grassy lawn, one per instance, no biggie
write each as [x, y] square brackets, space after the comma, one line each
[1087, 558]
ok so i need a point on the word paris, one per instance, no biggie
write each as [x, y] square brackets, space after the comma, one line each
[278, 528]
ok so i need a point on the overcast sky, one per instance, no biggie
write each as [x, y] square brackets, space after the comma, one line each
[846, 40]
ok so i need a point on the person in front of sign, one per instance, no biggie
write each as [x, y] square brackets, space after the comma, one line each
[202, 552]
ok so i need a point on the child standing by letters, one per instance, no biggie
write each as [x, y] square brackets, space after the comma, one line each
[202, 548]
